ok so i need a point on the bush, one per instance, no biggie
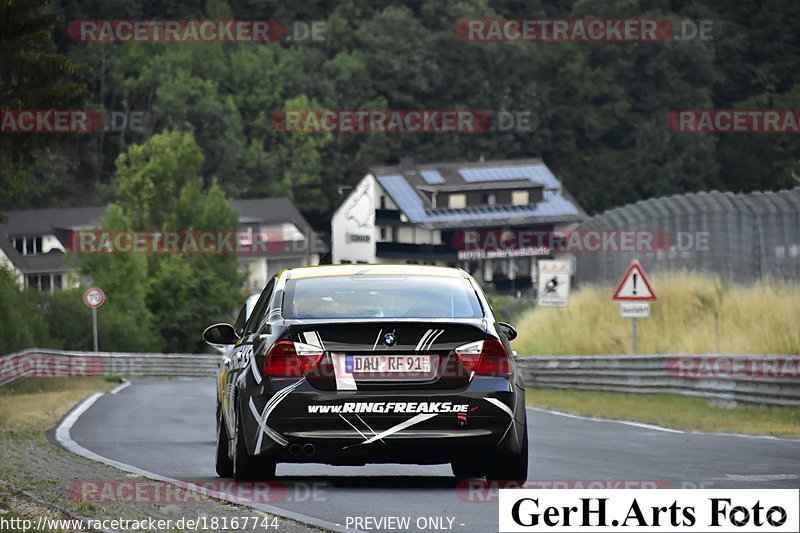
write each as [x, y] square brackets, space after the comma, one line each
[69, 322]
[21, 325]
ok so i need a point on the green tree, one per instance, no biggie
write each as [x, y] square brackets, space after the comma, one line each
[32, 76]
[69, 323]
[160, 189]
[126, 322]
[597, 110]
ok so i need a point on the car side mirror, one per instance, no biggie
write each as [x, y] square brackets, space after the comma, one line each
[220, 334]
[508, 330]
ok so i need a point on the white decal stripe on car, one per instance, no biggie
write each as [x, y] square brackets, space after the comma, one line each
[344, 379]
[268, 408]
[319, 340]
[433, 339]
[310, 337]
[352, 426]
[265, 429]
[369, 428]
[504, 407]
[422, 340]
[254, 368]
[278, 397]
[399, 427]
[377, 339]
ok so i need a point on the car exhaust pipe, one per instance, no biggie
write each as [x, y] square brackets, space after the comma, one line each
[309, 449]
[295, 449]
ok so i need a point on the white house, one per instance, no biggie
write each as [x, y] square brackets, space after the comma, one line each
[422, 213]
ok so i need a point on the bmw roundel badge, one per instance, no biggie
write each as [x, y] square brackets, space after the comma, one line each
[389, 339]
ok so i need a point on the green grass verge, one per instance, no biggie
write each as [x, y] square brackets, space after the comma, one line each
[29, 407]
[37, 404]
[671, 410]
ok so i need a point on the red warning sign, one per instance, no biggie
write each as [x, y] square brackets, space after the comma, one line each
[634, 286]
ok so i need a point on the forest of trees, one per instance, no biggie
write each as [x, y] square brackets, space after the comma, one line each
[598, 109]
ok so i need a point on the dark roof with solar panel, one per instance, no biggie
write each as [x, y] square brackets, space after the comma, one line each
[407, 185]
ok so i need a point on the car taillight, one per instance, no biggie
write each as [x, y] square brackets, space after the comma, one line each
[287, 358]
[484, 357]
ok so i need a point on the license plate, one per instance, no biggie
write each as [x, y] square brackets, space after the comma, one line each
[388, 364]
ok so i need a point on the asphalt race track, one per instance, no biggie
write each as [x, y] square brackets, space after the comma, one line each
[167, 427]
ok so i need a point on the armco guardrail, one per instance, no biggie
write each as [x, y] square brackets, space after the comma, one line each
[37, 362]
[756, 379]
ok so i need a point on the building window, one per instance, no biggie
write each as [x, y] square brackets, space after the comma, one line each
[489, 199]
[44, 282]
[383, 202]
[520, 198]
[28, 245]
[457, 201]
[384, 233]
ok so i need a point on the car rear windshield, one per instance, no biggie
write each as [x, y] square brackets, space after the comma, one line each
[379, 296]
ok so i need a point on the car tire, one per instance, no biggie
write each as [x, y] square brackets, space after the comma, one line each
[465, 469]
[245, 466]
[224, 464]
[512, 466]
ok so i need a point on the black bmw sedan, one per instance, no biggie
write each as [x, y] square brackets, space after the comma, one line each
[356, 364]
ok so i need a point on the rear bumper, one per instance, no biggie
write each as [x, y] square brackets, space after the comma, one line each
[412, 427]
[419, 448]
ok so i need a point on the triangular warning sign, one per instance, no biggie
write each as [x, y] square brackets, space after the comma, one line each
[635, 286]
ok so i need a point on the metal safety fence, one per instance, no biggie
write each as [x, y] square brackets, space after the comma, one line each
[738, 237]
[725, 378]
[44, 363]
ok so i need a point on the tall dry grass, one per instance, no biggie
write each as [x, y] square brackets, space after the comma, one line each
[763, 318]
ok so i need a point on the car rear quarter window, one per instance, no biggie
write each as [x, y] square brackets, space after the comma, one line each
[260, 308]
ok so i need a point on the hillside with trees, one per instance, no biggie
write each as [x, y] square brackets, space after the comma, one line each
[598, 110]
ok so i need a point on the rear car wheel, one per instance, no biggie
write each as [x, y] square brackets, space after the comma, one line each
[245, 466]
[224, 463]
[465, 470]
[511, 466]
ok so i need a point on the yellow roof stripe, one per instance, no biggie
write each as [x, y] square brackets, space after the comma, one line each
[371, 269]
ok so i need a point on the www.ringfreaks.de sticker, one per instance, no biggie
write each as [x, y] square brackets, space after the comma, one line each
[389, 407]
